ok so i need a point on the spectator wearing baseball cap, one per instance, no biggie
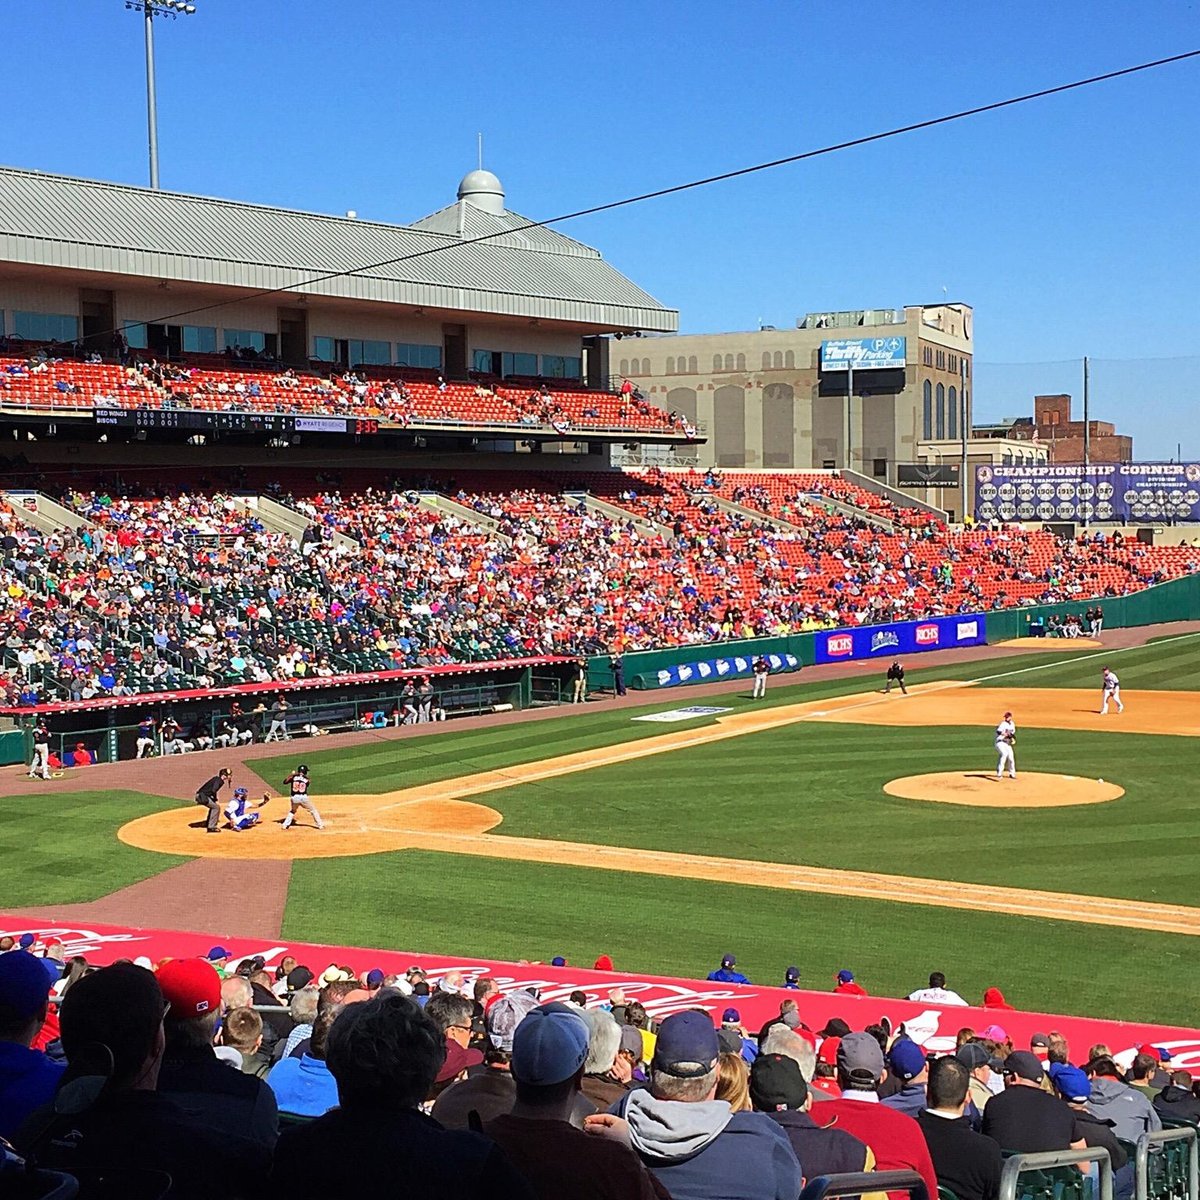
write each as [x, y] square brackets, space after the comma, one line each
[225, 1100]
[112, 1029]
[1075, 1088]
[966, 1162]
[490, 1090]
[696, 1145]
[789, 1014]
[725, 972]
[550, 1051]
[1024, 1118]
[1146, 1072]
[28, 1078]
[731, 1021]
[778, 1088]
[844, 984]
[895, 1138]
[791, 979]
[219, 957]
[976, 1057]
[384, 1055]
[908, 1064]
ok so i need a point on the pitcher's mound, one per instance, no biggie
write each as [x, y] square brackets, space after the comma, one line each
[982, 789]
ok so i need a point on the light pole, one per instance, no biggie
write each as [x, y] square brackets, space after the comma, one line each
[149, 10]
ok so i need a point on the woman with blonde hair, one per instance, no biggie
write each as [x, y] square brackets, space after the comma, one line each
[733, 1082]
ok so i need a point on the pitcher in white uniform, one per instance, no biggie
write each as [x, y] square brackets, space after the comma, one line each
[1110, 689]
[1006, 736]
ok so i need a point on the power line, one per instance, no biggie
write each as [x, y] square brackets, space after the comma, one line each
[611, 205]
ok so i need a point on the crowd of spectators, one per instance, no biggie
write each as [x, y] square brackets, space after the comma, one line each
[210, 1077]
[160, 588]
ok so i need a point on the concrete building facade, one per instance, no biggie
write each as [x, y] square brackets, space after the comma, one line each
[765, 399]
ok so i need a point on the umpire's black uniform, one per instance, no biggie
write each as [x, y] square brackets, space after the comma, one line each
[895, 674]
[207, 794]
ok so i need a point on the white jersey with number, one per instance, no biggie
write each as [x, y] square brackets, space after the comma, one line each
[1004, 731]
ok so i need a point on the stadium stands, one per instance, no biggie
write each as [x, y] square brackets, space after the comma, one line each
[193, 587]
[325, 1062]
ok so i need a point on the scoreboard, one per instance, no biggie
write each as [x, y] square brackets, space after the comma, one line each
[192, 421]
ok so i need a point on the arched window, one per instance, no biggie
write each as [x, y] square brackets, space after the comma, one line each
[729, 362]
[940, 428]
[789, 360]
[692, 364]
[645, 366]
[779, 360]
[766, 360]
[952, 416]
[624, 366]
[741, 362]
[927, 415]
[671, 366]
[716, 362]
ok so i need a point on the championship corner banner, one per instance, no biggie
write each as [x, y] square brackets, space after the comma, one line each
[900, 638]
[737, 666]
[931, 1026]
[1121, 492]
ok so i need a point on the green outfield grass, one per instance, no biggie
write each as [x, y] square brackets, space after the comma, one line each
[808, 793]
[444, 903]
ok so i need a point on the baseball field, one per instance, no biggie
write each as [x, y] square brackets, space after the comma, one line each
[828, 826]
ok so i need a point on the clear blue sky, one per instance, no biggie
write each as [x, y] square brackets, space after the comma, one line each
[1070, 224]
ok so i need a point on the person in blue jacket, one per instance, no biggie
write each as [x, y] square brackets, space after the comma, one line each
[725, 973]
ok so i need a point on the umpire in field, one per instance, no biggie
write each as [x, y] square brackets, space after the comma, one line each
[895, 674]
[207, 794]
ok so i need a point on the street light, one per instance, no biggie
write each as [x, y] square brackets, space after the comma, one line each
[151, 9]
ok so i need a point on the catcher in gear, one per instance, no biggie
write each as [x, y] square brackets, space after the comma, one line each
[240, 813]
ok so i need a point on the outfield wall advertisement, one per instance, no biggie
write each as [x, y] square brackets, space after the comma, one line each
[739, 666]
[900, 638]
[931, 1026]
[1121, 492]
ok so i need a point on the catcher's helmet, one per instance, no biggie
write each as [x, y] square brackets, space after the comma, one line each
[240, 793]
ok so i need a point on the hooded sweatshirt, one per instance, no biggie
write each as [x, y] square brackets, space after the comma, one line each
[1129, 1111]
[994, 998]
[1178, 1103]
[705, 1151]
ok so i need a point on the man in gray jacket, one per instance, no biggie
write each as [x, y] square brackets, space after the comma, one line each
[1128, 1109]
[698, 1148]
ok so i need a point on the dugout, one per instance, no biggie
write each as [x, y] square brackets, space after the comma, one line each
[108, 727]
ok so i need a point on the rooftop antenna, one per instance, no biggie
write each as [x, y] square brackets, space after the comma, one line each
[479, 139]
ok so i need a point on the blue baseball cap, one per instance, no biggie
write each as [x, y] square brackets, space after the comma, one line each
[218, 952]
[727, 960]
[845, 976]
[26, 940]
[731, 1016]
[375, 978]
[687, 1045]
[549, 1046]
[792, 974]
[1072, 1084]
[906, 1059]
[24, 985]
[558, 961]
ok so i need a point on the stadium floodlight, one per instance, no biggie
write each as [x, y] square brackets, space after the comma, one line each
[149, 10]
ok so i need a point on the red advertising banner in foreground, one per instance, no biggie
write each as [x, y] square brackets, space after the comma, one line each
[931, 1026]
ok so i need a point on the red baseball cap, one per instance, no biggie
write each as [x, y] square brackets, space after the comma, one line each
[828, 1052]
[191, 986]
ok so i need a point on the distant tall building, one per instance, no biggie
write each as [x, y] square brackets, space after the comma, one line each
[776, 398]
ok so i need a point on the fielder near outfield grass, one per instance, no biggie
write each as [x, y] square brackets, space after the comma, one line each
[809, 793]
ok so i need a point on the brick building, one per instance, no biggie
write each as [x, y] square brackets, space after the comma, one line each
[1052, 425]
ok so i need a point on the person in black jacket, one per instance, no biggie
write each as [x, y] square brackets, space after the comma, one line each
[384, 1054]
[1178, 1100]
[966, 1162]
[208, 794]
[895, 675]
[617, 665]
[777, 1088]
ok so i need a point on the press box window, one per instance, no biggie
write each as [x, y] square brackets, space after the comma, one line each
[518, 364]
[562, 366]
[369, 352]
[45, 327]
[245, 339]
[136, 335]
[199, 339]
[410, 354]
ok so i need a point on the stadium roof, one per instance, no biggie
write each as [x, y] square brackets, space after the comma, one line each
[56, 221]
